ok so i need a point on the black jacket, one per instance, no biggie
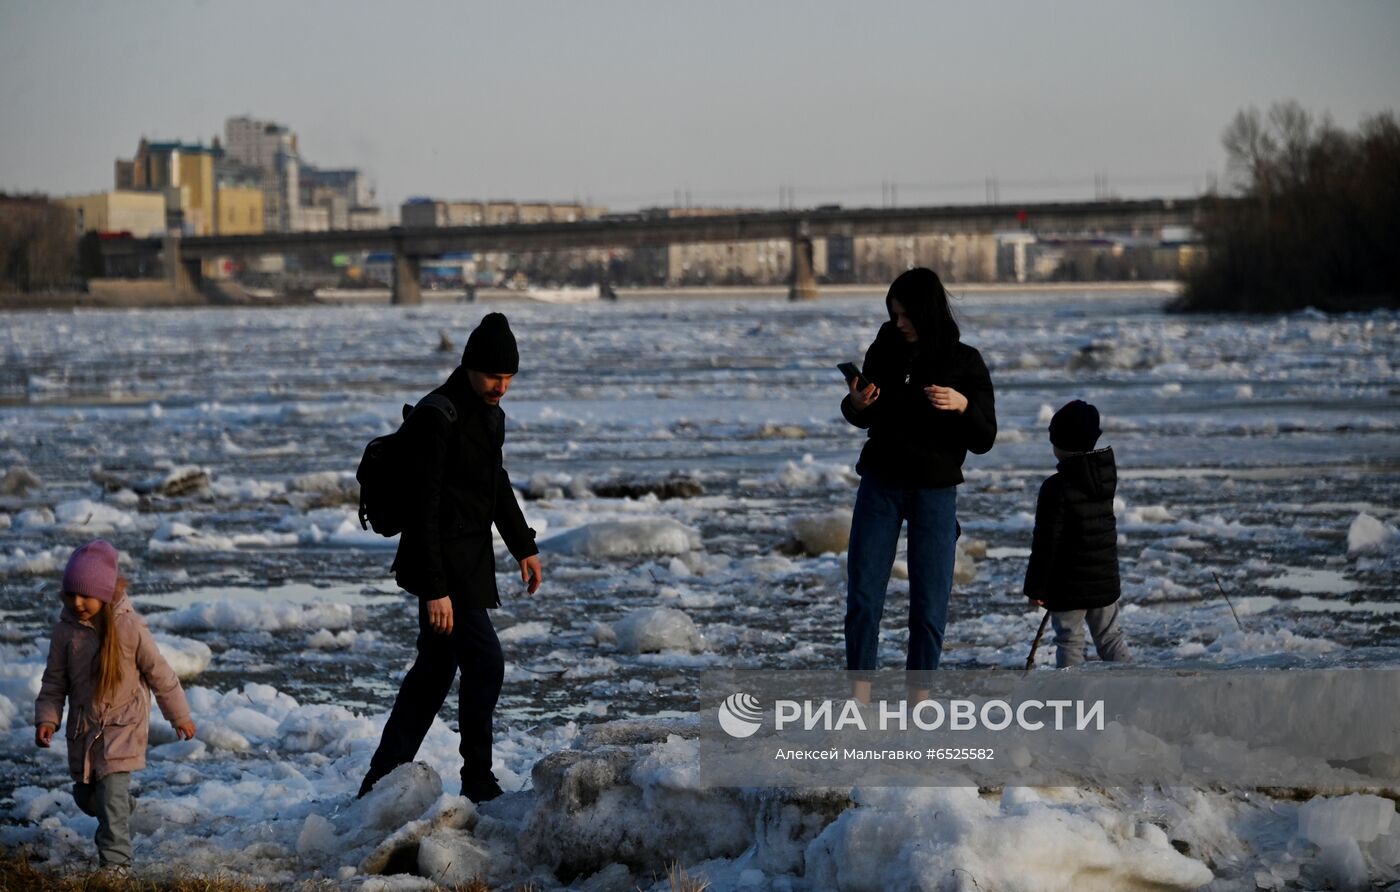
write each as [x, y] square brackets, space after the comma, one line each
[1074, 550]
[911, 443]
[464, 488]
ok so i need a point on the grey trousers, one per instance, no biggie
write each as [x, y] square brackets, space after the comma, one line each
[109, 800]
[1103, 627]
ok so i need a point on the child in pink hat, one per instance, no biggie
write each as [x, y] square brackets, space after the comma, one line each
[103, 661]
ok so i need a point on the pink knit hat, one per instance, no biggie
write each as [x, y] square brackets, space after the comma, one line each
[92, 571]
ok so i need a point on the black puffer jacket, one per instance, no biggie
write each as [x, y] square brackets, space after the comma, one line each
[911, 443]
[447, 550]
[1074, 551]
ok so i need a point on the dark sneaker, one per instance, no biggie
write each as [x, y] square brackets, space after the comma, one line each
[482, 791]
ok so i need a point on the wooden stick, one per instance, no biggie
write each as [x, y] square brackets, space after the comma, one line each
[1227, 601]
[1035, 645]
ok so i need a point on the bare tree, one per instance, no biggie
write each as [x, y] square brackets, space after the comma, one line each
[1314, 218]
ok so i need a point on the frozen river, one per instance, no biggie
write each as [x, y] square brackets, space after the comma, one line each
[216, 449]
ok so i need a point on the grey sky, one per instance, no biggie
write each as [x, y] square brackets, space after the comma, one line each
[625, 103]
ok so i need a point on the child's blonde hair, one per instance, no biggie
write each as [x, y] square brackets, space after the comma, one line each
[108, 663]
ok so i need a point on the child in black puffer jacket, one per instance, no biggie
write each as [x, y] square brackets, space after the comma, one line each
[1073, 569]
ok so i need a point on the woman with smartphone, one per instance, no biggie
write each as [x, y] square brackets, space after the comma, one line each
[926, 399]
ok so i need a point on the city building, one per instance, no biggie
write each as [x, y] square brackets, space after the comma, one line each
[142, 214]
[240, 202]
[421, 212]
[428, 212]
[766, 262]
[270, 148]
[183, 173]
[349, 183]
[298, 196]
[964, 257]
[240, 210]
[367, 218]
[345, 193]
[257, 143]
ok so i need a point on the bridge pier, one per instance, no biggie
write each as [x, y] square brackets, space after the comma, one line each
[408, 289]
[804, 279]
[185, 276]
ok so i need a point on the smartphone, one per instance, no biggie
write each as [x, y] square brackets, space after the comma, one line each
[850, 370]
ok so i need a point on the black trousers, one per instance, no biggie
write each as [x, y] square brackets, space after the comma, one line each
[473, 647]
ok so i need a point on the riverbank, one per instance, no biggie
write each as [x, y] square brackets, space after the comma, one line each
[150, 294]
[105, 295]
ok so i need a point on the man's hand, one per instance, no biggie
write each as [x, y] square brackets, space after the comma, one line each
[1036, 601]
[43, 734]
[863, 399]
[440, 616]
[531, 574]
[946, 398]
[185, 730]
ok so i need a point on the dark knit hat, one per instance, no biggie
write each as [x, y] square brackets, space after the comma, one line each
[1075, 428]
[491, 347]
[92, 571]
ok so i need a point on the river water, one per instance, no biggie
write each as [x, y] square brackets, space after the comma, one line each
[1248, 449]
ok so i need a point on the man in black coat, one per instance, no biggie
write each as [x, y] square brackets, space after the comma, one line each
[1073, 569]
[446, 558]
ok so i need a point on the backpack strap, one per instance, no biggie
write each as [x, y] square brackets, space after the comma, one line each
[442, 404]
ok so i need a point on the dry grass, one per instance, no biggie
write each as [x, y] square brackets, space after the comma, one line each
[682, 881]
[18, 875]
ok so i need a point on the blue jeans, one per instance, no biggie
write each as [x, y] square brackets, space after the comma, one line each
[880, 511]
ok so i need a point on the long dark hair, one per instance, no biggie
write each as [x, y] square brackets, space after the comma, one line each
[925, 302]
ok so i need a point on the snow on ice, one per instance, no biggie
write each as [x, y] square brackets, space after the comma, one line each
[626, 538]
[1247, 449]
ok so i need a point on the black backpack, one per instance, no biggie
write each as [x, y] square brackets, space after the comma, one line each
[385, 473]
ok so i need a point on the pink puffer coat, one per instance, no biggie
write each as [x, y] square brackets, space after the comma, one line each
[108, 737]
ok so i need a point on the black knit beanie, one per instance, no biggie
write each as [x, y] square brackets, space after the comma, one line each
[1075, 428]
[491, 347]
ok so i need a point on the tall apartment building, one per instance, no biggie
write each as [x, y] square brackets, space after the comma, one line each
[257, 143]
[272, 149]
[298, 196]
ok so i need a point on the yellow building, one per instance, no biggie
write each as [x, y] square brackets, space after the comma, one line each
[240, 210]
[197, 176]
[188, 168]
[140, 213]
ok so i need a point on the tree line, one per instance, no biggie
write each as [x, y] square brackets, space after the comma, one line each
[1312, 221]
[38, 248]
